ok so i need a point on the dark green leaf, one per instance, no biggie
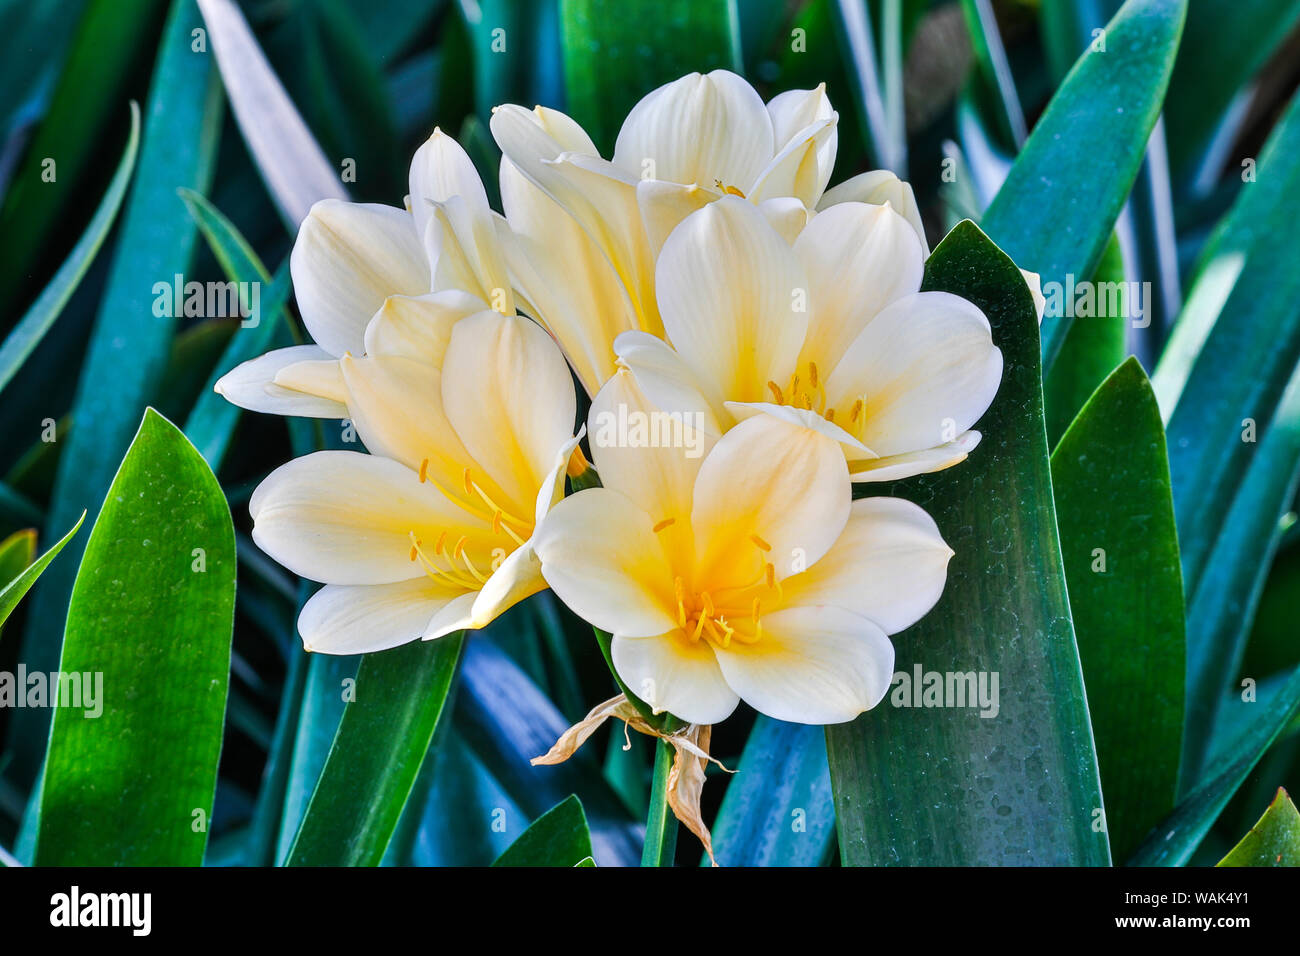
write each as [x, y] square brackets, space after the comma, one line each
[381, 742]
[944, 785]
[611, 61]
[1273, 841]
[1093, 348]
[1116, 518]
[21, 583]
[31, 328]
[151, 616]
[1225, 44]
[112, 38]
[1173, 842]
[559, 837]
[660, 824]
[1058, 206]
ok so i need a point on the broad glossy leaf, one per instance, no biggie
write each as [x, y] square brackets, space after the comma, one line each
[612, 60]
[1173, 842]
[944, 785]
[1273, 841]
[151, 614]
[1115, 513]
[559, 837]
[295, 171]
[381, 742]
[130, 344]
[33, 326]
[778, 809]
[21, 583]
[1058, 206]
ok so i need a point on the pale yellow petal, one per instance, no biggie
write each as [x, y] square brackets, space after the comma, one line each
[342, 517]
[341, 619]
[922, 462]
[509, 396]
[769, 492]
[671, 673]
[251, 385]
[419, 327]
[733, 299]
[880, 186]
[889, 566]
[698, 129]
[813, 665]
[925, 369]
[348, 258]
[859, 258]
[601, 557]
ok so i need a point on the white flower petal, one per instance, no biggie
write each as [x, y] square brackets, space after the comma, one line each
[667, 381]
[813, 665]
[671, 673]
[348, 258]
[916, 462]
[342, 517]
[730, 292]
[925, 368]
[889, 566]
[419, 327]
[601, 557]
[878, 187]
[859, 258]
[341, 619]
[508, 394]
[441, 169]
[698, 129]
[784, 483]
[251, 385]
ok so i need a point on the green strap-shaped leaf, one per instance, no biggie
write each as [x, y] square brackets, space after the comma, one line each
[1273, 841]
[21, 583]
[112, 38]
[1116, 518]
[16, 555]
[130, 344]
[1173, 842]
[559, 837]
[211, 423]
[1214, 375]
[1225, 44]
[130, 777]
[1058, 205]
[295, 171]
[1223, 607]
[1093, 348]
[612, 59]
[778, 809]
[945, 785]
[29, 331]
[381, 742]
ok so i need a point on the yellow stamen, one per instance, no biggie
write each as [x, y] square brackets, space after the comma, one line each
[855, 411]
[763, 545]
[664, 524]
[776, 392]
[424, 471]
[812, 374]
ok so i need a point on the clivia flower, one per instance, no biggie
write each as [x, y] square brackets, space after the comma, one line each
[744, 574]
[684, 145]
[434, 531]
[830, 331]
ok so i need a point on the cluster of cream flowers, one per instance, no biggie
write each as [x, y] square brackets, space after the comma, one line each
[702, 277]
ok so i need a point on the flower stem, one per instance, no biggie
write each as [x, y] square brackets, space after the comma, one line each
[660, 824]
